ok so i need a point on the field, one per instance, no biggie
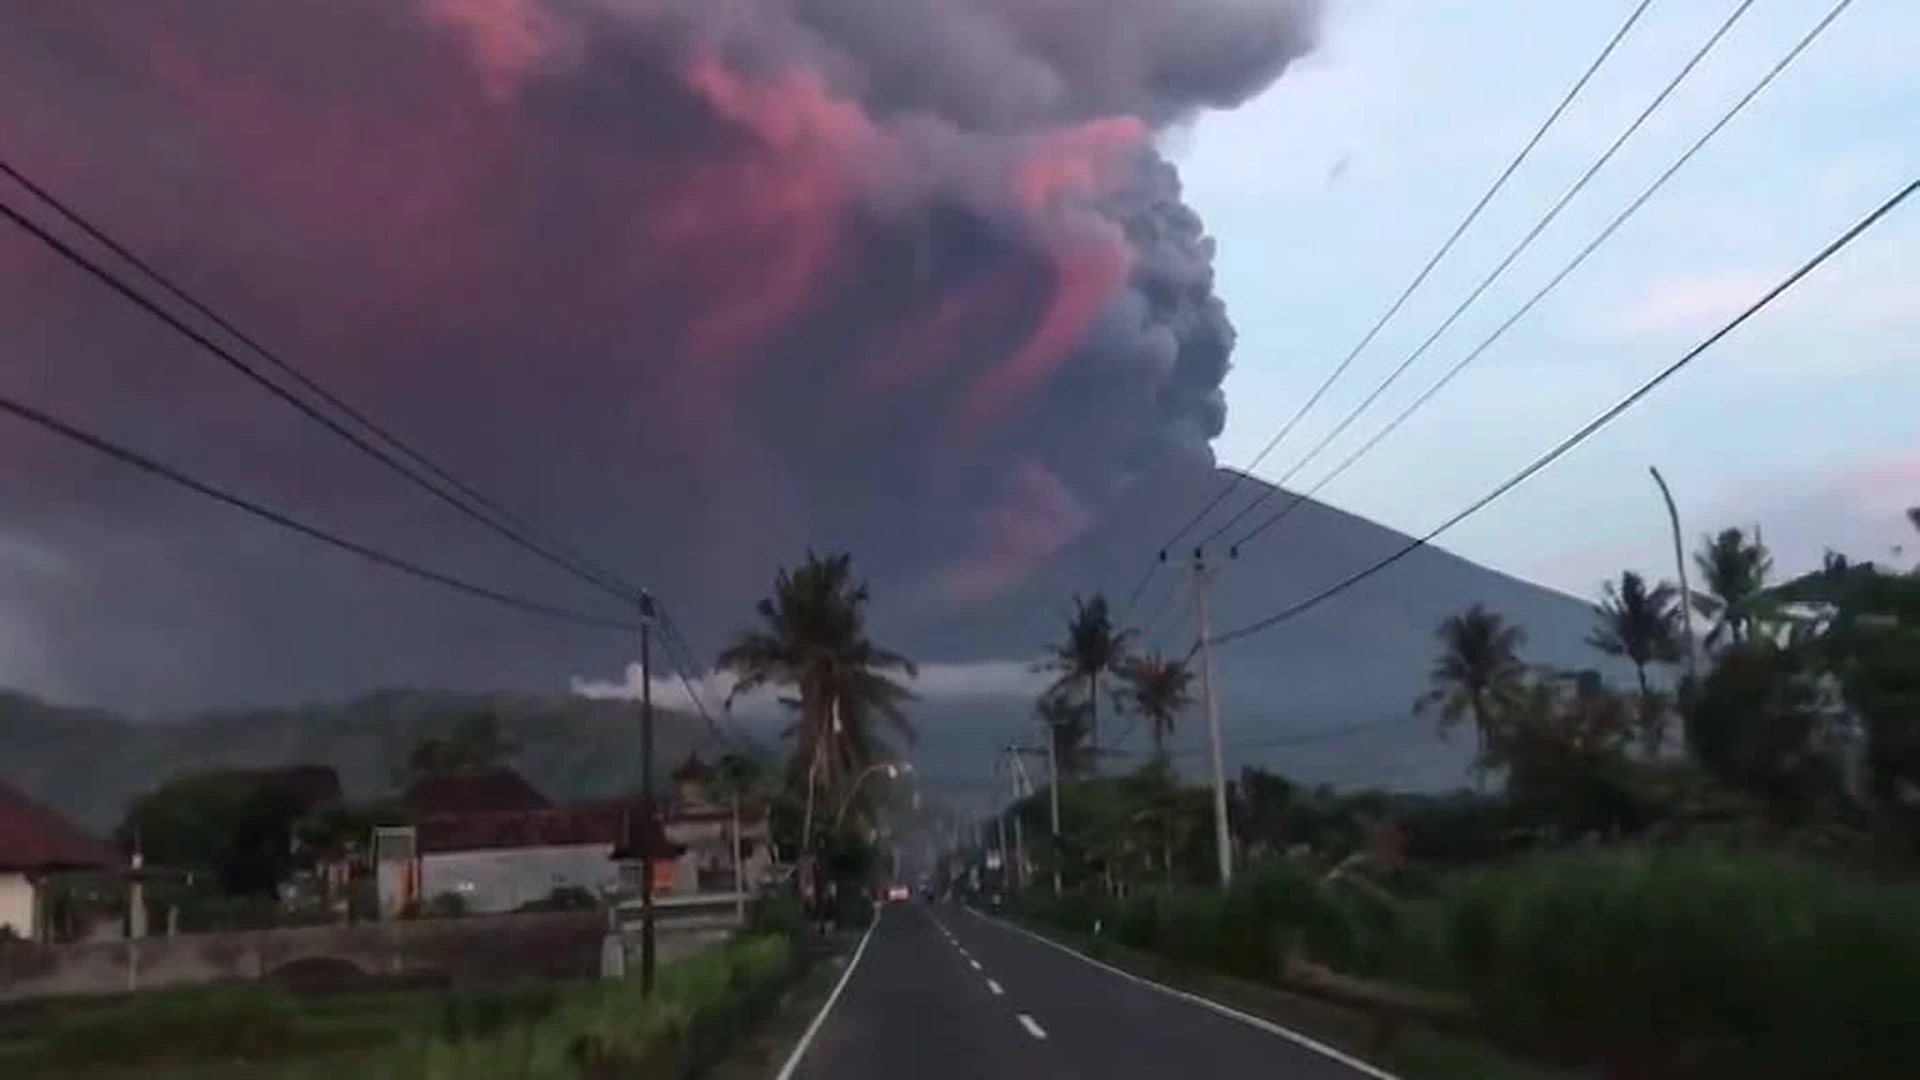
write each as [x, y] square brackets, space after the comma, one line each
[528, 1031]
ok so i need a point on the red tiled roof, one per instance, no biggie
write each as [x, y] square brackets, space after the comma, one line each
[34, 838]
[496, 791]
[595, 823]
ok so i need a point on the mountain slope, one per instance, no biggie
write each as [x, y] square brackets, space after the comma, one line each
[1358, 659]
[88, 764]
[1324, 698]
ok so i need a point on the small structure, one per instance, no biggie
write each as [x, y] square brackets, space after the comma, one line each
[35, 845]
[705, 827]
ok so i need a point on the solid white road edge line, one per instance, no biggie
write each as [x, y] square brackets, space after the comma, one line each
[820, 1018]
[1268, 1026]
[1033, 1028]
[995, 988]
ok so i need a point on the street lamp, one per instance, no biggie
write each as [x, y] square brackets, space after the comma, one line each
[893, 770]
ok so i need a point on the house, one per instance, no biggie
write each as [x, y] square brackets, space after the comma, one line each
[497, 843]
[501, 861]
[36, 844]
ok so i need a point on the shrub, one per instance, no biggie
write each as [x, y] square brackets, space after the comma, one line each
[1696, 964]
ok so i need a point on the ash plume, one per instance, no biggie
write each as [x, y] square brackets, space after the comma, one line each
[694, 283]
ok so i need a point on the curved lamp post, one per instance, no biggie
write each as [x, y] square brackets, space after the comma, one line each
[893, 769]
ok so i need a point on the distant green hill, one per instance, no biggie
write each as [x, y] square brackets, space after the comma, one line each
[88, 764]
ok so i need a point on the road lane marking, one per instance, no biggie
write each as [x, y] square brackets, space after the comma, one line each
[995, 987]
[975, 963]
[1033, 1029]
[1373, 1072]
[820, 1018]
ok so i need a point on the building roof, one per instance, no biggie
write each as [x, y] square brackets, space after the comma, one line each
[610, 823]
[494, 791]
[35, 839]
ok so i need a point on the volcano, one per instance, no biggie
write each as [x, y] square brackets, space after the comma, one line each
[1325, 697]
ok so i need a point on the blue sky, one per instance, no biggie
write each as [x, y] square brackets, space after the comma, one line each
[1332, 190]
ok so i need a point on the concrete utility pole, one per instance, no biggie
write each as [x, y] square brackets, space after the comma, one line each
[1680, 567]
[1019, 776]
[1223, 840]
[647, 926]
[1053, 799]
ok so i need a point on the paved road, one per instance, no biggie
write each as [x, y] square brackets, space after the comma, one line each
[942, 993]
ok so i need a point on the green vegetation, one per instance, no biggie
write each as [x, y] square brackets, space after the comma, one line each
[527, 1032]
[1708, 873]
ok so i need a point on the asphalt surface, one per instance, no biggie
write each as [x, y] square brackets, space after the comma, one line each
[943, 993]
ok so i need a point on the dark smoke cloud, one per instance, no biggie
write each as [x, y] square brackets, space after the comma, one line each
[694, 282]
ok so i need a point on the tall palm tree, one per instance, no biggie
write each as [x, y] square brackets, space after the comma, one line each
[1093, 648]
[1477, 677]
[811, 639]
[1158, 690]
[1642, 624]
[1734, 571]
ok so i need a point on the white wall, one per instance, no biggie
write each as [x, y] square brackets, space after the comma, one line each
[17, 907]
[502, 880]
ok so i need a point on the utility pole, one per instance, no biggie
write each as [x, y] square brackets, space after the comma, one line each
[647, 927]
[1019, 776]
[1680, 567]
[1223, 840]
[1053, 799]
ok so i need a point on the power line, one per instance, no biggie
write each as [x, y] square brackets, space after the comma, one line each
[502, 521]
[1584, 432]
[152, 467]
[1296, 500]
[680, 655]
[1552, 214]
[1406, 293]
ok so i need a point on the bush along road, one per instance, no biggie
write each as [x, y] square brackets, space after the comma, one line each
[1631, 964]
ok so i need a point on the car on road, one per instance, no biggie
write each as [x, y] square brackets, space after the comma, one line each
[899, 892]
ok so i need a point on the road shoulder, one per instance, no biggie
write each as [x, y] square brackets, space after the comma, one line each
[775, 1045]
[1340, 1033]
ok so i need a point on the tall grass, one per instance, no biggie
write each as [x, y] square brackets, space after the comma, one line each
[1693, 964]
[1650, 964]
[611, 1029]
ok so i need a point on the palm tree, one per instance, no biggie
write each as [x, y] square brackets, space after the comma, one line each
[1734, 571]
[1642, 624]
[812, 640]
[1478, 676]
[1158, 690]
[1092, 648]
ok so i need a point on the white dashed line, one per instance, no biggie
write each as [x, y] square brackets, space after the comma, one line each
[995, 987]
[1033, 1028]
[976, 964]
